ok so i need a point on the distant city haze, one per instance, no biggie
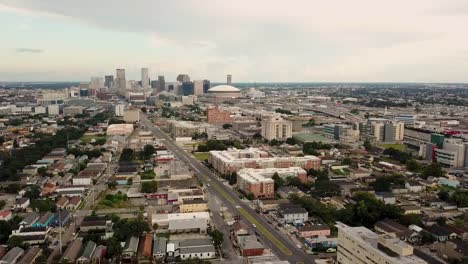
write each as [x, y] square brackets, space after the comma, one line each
[255, 41]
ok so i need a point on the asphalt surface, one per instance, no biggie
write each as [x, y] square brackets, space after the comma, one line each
[287, 251]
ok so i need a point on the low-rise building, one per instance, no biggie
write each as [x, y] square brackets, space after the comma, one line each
[72, 252]
[195, 205]
[314, 230]
[293, 214]
[12, 256]
[197, 249]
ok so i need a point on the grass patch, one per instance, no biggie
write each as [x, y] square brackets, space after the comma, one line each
[117, 200]
[399, 147]
[147, 175]
[88, 138]
[201, 156]
[267, 233]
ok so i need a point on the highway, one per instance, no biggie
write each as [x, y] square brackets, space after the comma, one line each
[278, 242]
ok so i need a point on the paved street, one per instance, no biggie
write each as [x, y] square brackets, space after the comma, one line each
[280, 244]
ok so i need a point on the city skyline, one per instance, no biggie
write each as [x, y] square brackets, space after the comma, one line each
[308, 41]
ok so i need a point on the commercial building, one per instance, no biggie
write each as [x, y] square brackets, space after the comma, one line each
[216, 116]
[259, 181]
[361, 245]
[109, 81]
[73, 110]
[382, 130]
[342, 132]
[179, 128]
[196, 249]
[120, 81]
[119, 129]
[195, 205]
[452, 154]
[229, 79]
[145, 78]
[161, 83]
[276, 128]
[183, 222]
[256, 184]
[232, 160]
[198, 87]
[293, 214]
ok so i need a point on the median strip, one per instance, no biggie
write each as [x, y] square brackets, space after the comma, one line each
[267, 233]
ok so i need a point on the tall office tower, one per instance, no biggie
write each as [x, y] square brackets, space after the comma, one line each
[96, 83]
[154, 84]
[229, 79]
[206, 86]
[198, 87]
[187, 88]
[144, 78]
[162, 83]
[183, 78]
[276, 128]
[109, 81]
[359, 245]
[120, 81]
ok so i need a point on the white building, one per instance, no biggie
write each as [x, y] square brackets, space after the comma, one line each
[119, 110]
[360, 245]
[383, 130]
[183, 222]
[189, 99]
[294, 214]
[119, 129]
[40, 110]
[198, 87]
[82, 180]
[53, 109]
[276, 128]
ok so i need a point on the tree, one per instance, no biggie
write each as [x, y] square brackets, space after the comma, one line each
[460, 198]
[354, 111]
[2, 204]
[143, 109]
[5, 231]
[127, 155]
[410, 219]
[232, 178]
[347, 161]
[34, 192]
[413, 166]
[148, 151]
[113, 247]
[274, 142]
[257, 136]
[42, 170]
[217, 236]
[278, 180]
[443, 195]
[434, 169]
[291, 141]
[13, 188]
[15, 241]
[149, 187]
[15, 143]
[367, 144]
[227, 126]
[385, 183]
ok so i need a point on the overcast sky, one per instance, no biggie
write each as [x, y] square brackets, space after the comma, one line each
[254, 40]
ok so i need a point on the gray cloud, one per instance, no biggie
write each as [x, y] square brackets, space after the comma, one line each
[28, 50]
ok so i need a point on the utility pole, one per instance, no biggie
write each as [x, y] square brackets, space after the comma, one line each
[60, 232]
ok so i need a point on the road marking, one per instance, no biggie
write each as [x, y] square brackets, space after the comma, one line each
[267, 233]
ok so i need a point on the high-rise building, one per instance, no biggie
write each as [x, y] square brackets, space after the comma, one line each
[183, 78]
[120, 81]
[96, 83]
[162, 83]
[187, 88]
[198, 87]
[229, 79]
[109, 81]
[382, 130]
[359, 245]
[276, 128]
[144, 78]
[206, 86]
[154, 84]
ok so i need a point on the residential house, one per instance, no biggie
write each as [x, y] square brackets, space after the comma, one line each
[461, 231]
[62, 202]
[29, 219]
[73, 203]
[411, 209]
[31, 255]
[414, 187]
[95, 223]
[87, 255]
[293, 214]
[131, 247]
[441, 233]
[386, 197]
[240, 228]
[12, 256]
[22, 203]
[5, 215]
[314, 230]
[196, 249]
[159, 247]
[72, 251]
[145, 248]
[62, 218]
[45, 220]
[99, 254]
